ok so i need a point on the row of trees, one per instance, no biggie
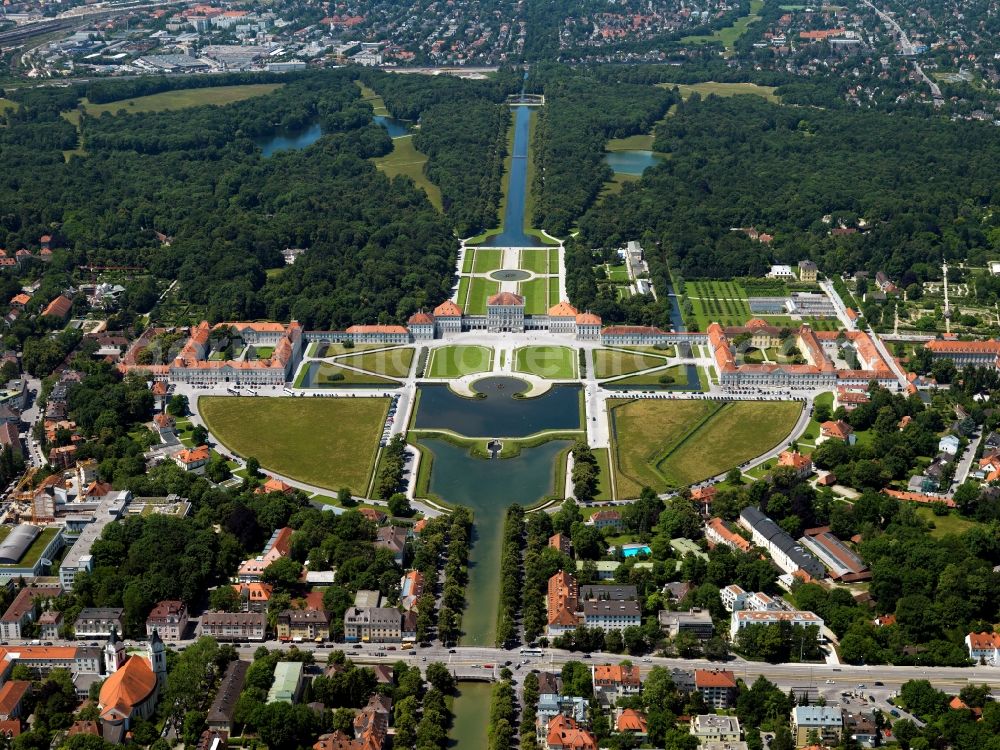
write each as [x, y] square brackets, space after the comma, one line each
[510, 576]
[456, 576]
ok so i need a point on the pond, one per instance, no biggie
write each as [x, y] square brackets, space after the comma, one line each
[394, 127]
[289, 140]
[488, 487]
[499, 414]
[632, 162]
[471, 707]
[513, 234]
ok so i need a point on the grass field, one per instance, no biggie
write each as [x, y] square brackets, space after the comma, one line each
[404, 159]
[551, 362]
[319, 350]
[394, 363]
[326, 374]
[328, 442]
[536, 261]
[651, 379]
[812, 431]
[485, 260]
[536, 296]
[455, 361]
[480, 290]
[666, 444]
[945, 525]
[708, 88]
[369, 95]
[553, 290]
[182, 99]
[7, 104]
[604, 477]
[610, 363]
[639, 142]
[728, 36]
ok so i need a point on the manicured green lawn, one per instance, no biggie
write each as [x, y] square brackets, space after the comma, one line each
[604, 477]
[182, 99]
[812, 431]
[404, 159]
[536, 296]
[610, 363]
[536, 261]
[455, 361]
[651, 379]
[263, 352]
[551, 362]
[486, 260]
[553, 290]
[467, 260]
[321, 351]
[329, 442]
[666, 444]
[722, 302]
[329, 375]
[394, 363]
[725, 89]
[617, 274]
[739, 431]
[639, 142]
[480, 290]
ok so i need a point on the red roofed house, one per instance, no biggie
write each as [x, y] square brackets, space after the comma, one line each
[984, 648]
[606, 519]
[275, 485]
[563, 733]
[562, 603]
[838, 430]
[193, 460]
[632, 722]
[613, 681]
[59, 307]
[561, 542]
[717, 687]
[716, 532]
[802, 465]
[11, 696]
[169, 618]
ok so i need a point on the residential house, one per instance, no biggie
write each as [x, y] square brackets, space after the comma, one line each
[605, 569]
[223, 708]
[631, 722]
[562, 543]
[612, 682]
[798, 618]
[732, 597]
[24, 609]
[984, 648]
[193, 460]
[563, 601]
[949, 445]
[703, 497]
[785, 551]
[255, 596]
[278, 546]
[372, 625]
[717, 687]
[98, 622]
[11, 697]
[303, 624]
[714, 728]
[393, 538]
[234, 626]
[169, 618]
[374, 515]
[606, 519]
[59, 308]
[603, 592]
[838, 430]
[411, 588]
[275, 485]
[288, 682]
[825, 721]
[802, 465]
[564, 733]
[49, 624]
[807, 270]
[611, 615]
[718, 532]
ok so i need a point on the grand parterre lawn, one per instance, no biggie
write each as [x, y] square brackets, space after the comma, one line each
[609, 363]
[664, 444]
[394, 363]
[329, 442]
[551, 362]
[455, 361]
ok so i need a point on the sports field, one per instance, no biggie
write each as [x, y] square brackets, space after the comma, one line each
[404, 159]
[455, 361]
[550, 362]
[329, 442]
[182, 99]
[394, 363]
[611, 363]
[674, 443]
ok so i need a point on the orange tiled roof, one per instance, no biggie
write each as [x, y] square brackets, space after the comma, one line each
[59, 307]
[376, 329]
[984, 641]
[193, 455]
[507, 299]
[714, 678]
[588, 319]
[126, 688]
[631, 720]
[447, 309]
[563, 310]
[420, 319]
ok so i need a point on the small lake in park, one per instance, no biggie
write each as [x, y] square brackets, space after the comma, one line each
[289, 140]
[394, 127]
[500, 414]
[632, 162]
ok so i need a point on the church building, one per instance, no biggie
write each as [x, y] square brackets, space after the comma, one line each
[132, 686]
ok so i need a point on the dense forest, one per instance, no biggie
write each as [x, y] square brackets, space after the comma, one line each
[463, 132]
[579, 116]
[376, 250]
[923, 188]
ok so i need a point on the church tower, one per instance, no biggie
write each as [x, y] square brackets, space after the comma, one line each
[158, 658]
[114, 652]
